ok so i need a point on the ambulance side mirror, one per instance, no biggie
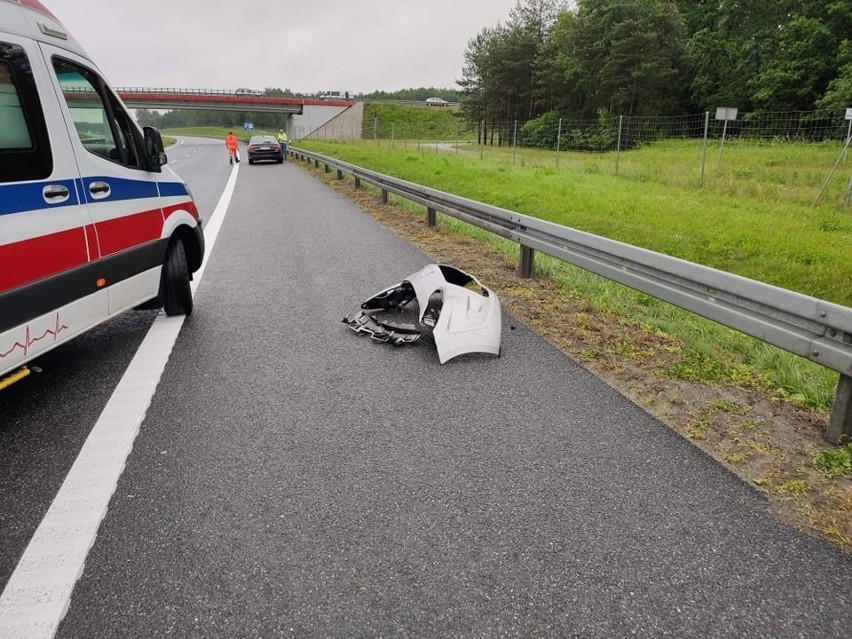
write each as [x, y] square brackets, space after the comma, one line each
[155, 154]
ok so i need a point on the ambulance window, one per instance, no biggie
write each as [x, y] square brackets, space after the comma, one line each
[24, 144]
[102, 125]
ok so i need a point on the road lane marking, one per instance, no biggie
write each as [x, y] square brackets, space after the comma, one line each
[38, 594]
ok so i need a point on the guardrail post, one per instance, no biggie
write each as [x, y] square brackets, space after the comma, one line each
[339, 174]
[328, 168]
[384, 196]
[357, 182]
[431, 217]
[316, 164]
[840, 423]
[525, 265]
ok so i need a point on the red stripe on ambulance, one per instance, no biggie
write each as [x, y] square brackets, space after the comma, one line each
[57, 252]
[126, 232]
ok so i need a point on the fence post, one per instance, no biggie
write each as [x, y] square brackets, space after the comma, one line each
[526, 266]
[848, 197]
[458, 138]
[393, 134]
[840, 423]
[558, 142]
[831, 173]
[514, 141]
[704, 151]
[376, 130]
[848, 136]
[618, 143]
[482, 140]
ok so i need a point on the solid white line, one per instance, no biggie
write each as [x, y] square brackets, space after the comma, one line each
[39, 592]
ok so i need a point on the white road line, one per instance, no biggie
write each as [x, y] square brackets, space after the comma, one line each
[39, 592]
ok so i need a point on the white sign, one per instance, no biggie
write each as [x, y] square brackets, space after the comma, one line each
[726, 113]
[849, 114]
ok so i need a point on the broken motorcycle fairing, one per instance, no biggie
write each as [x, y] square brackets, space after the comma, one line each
[463, 314]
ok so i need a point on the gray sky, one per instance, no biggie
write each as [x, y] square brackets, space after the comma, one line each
[302, 45]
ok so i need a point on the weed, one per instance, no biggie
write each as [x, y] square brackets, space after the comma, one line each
[728, 406]
[834, 462]
[795, 486]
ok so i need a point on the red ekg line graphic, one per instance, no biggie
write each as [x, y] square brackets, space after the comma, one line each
[29, 340]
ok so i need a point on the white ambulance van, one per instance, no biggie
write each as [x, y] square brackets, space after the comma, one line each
[92, 222]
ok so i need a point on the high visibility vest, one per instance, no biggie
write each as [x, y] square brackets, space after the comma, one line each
[282, 138]
[231, 142]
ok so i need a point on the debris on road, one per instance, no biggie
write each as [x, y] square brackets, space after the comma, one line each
[463, 315]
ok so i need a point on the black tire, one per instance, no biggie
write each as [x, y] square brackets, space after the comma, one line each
[176, 294]
[251, 161]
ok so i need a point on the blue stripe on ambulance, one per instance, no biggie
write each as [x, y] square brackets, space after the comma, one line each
[19, 198]
[16, 198]
[172, 189]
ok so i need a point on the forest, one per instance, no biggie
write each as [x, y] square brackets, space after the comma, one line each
[659, 57]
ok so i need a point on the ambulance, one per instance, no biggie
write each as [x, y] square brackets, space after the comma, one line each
[92, 221]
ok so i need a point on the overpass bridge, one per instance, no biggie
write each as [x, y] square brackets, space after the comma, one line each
[305, 115]
[219, 100]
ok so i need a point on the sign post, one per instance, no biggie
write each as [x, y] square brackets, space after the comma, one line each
[724, 113]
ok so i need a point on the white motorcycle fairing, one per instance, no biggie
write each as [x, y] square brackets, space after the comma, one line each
[463, 314]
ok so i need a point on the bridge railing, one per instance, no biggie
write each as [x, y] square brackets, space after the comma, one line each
[815, 329]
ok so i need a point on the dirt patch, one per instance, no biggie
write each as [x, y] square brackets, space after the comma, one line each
[765, 440]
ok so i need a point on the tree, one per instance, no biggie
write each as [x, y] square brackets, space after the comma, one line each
[499, 75]
[624, 56]
[839, 92]
[800, 69]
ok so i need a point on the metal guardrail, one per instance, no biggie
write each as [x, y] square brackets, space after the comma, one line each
[811, 328]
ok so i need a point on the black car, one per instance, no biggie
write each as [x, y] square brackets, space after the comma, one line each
[264, 147]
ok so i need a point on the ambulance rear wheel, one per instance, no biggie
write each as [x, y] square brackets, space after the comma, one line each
[177, 296]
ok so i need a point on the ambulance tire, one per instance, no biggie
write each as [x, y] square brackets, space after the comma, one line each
[176, 294]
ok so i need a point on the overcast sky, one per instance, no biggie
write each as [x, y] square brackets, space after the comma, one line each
[302, 45]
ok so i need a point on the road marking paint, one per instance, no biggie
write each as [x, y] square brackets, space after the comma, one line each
[38, 594]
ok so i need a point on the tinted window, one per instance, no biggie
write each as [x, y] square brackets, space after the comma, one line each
[103, 126]
[24, 145]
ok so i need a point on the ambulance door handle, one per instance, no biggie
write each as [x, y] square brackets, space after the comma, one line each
[55, 194]
[99, 190]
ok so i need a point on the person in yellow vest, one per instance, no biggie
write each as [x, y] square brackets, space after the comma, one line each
[282, 140]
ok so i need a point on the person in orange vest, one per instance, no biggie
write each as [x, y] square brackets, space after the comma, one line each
[232, 143]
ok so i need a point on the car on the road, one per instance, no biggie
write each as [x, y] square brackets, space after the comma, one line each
[436, 102]
[264, 147]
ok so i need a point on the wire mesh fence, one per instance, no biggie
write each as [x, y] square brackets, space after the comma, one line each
[794, 156]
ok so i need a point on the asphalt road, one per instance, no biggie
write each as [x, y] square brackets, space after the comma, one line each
[292, 478]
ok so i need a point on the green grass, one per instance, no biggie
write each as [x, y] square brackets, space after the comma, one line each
[410, 123]
[780, 241]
